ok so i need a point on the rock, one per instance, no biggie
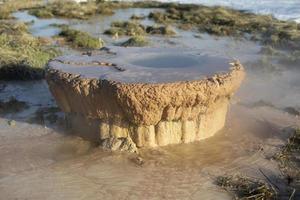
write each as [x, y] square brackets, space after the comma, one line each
[136, 41]
[121, 144]
[11, 122]
[138, 160]
[126, 101]
[160, 30]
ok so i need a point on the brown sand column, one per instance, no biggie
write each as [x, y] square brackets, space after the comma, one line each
[127, 114]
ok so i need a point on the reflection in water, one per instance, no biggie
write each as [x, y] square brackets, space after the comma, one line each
[167, 61]
[144, 65]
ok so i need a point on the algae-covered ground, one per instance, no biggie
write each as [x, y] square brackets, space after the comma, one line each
[9, 6]
[22, 56]
[70, 9]
[136, 41]
[228, 22]
[218, 21]
[80, 39]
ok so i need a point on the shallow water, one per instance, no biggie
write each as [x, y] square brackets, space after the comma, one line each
[95, 26]
[282, 9]
[40, 27]
[144, 65]
[98, 24]
[43, 161]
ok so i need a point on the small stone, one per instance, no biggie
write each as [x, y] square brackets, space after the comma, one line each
[11, 122]
[138, 160]
[198, 36]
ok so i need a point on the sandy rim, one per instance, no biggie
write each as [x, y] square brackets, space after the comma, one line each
[235, 67]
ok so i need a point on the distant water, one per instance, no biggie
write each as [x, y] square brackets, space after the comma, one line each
[281, 9]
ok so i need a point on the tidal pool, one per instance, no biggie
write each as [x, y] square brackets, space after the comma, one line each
[144, 65]
[95, 26]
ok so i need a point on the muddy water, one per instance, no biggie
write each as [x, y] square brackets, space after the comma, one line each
[43, 161]
[144, 65]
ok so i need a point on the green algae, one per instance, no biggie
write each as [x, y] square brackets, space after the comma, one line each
[41, 13]
[80, 39]
[121, 28]
[160, 30]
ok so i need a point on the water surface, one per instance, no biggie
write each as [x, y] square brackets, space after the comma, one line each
[282, 9]
[144, 65]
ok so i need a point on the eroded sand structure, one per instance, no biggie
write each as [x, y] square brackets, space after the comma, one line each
[144, 97]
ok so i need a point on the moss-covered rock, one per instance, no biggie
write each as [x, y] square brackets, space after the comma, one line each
[136, 41]
[104, 9]
[80, 39]
[122, 28]
[160, 30]
[159, 17]
[129, 28]
[41, 13]
[70, 9]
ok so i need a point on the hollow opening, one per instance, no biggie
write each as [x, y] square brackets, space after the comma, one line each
[166, 61]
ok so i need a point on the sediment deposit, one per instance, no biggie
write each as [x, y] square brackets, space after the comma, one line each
[104, 101]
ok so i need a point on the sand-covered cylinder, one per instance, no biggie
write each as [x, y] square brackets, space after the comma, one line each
[144, 97]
